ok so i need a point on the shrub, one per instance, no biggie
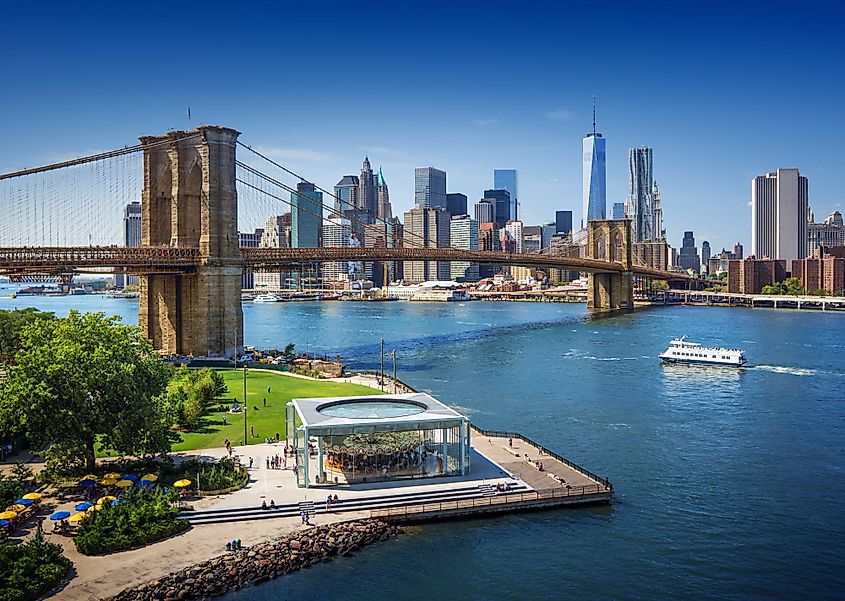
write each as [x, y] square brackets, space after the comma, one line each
[212, 476]
[29, 570]
[15, 484]
[143, 517]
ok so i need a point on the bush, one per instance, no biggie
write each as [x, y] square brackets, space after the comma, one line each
[144, 517]
[29, 570]
[220, 475]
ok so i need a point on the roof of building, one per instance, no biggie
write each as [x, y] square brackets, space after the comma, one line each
[348, 180]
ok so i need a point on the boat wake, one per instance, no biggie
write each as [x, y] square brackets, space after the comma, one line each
[778, 369]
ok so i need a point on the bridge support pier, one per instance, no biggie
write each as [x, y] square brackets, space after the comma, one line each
[190, 201]
[610, 240]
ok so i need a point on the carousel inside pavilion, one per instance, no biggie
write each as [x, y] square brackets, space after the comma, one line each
[347, 440]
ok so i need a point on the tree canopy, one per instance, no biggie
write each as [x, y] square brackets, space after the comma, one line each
[11, 324]
[85, 378]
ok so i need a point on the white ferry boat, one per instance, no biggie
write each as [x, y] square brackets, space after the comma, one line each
[267, 298]
[681, 351]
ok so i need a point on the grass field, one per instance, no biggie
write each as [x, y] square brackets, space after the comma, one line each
[261, 421]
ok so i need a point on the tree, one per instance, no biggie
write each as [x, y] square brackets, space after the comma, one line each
[11, 324]
[84, 378]
[659, 285]
[289, 350]
[793, 286]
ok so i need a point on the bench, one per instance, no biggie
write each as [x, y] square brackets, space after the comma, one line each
[511, 451]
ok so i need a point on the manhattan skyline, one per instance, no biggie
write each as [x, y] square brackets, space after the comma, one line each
[710, 105]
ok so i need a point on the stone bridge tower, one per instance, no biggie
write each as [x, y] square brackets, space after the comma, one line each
[610, 240]
[190, 201]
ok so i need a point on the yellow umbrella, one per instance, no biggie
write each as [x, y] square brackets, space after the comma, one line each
[114, 475]
[124, 483]
[32, 496]
[89, 477]
[109, 481]
[150, 477]
[105, 499]
[16, 508]
[182, 483]
[94, 508]
[77, 517]
[8, 515]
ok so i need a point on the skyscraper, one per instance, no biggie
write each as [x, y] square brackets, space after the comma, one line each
[456, 204]
[276, 234]
[346, 193]
[563, 222]
[463, 233]
[514, 229]
[595, 185]
[688, 258]
[738, 251]
[426, 228]
[249, 240]
[367, 193]
[618, 210]
[485, 211]
[640, 202]
[505, 179]
[384, 210]
[501, 200]
[306, 221]
[705, 253]
[429, 188]
[131, 237]
[337, 232]
[779, 205]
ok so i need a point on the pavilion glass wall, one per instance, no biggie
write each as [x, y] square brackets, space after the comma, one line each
[378, 453]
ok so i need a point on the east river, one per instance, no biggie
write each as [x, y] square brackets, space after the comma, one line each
[730, 484]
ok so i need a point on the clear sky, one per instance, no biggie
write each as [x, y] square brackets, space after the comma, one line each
[722, 91]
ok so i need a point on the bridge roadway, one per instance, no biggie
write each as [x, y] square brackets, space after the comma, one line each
[169, 259]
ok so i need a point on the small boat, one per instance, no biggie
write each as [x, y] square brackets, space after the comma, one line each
[681, 351]
[267, 298]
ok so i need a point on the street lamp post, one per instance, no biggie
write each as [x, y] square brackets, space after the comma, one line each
[382, 364]
[246, 407]
[394, 370]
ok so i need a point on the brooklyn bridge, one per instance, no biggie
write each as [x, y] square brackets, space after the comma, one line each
[58, 219]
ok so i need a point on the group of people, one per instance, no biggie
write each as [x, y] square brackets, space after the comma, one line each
[331, 500]
[234, 545]
[272, 504]
[228, 444]
[275, 462]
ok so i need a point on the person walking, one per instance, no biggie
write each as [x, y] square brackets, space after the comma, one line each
[265, 401]
[268, 463]
[328, 503]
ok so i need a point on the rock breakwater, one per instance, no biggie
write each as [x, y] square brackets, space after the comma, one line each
[261, 562]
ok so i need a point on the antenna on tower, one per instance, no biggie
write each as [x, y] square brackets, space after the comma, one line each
[594, 115]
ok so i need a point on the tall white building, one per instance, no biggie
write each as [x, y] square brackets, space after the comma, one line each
[276, 234]
[463, 233]
[640, 202]
[131, 237]
[337, 232]
[779, 205]
[828, 233]
[426, 228]
[514, 228]
[595, 180]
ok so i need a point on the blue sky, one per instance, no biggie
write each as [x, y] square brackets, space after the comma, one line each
[722, 91]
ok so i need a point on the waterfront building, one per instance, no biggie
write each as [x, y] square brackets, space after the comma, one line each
[821, 273]
[563, 222]
[506, 179]
[594, 176]
[426, 228]
[514, 229]
[400, 436]
[779, 207]
[501, 200]
[131, 237]
[532, 238]
[705, 255]
[488, 240]
[688, 258]
[618, 211]
[485, 211]
[827, 234]
[384, 210]
[276, 234]
[738, 251]
[249, 240]
[640, 203]
[456, 204]
[463, 234]
[748, 276]
[429, 188]
[337, 232]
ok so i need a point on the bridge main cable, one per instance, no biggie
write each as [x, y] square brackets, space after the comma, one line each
[90, 159]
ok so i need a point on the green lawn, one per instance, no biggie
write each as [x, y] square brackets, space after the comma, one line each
[265, 421]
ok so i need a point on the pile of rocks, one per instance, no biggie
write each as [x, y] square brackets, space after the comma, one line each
[262, 562]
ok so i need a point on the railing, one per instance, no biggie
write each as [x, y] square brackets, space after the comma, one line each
[493, 433]
[508, 499]
[401, 387]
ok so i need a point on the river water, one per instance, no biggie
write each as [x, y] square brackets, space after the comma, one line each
[730, 484]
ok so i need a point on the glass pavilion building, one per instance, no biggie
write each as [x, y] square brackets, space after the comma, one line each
[376, 438]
